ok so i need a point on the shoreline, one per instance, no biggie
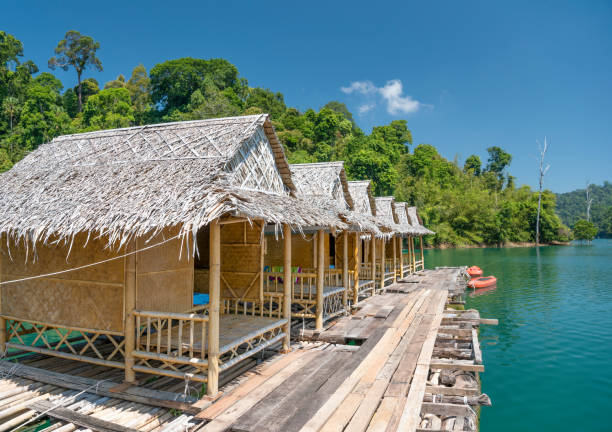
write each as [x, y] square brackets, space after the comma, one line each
[505, 245]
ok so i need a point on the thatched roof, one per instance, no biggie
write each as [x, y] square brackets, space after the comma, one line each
[415, 221]
[362, 196]
[325, 184]
[135, 181]
[401, 214]
[385, 214]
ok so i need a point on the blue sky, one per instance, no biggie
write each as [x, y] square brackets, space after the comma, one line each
[465, 75]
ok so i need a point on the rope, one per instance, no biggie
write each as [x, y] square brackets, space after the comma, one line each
[90, 265]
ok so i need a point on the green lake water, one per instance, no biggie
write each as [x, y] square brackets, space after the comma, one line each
[548, 364]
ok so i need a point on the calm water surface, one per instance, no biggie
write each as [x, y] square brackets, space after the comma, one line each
[549, 361]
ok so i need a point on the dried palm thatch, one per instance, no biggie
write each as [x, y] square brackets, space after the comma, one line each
[325, 184]
[362, 196]
[399, 209]
[386, 215]
[131, 182]
[416, 223]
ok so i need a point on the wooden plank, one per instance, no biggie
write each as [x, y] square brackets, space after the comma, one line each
[245, 388]
[224, 420]
[410, 415]
[76, 418]
[452, 391]
[442, 409]
[384, 311]
[437, 364]
[476, 347]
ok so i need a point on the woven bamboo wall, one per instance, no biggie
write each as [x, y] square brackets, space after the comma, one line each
[88, 298]
[164, 282]
[302, 251]
[241, 255]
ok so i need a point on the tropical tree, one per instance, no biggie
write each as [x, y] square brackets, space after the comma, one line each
[584, 230]
[472, 165]
[79, 52]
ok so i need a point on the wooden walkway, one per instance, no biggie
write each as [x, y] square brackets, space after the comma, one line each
[400, 362]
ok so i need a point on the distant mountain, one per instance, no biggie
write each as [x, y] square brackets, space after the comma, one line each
[571, 206]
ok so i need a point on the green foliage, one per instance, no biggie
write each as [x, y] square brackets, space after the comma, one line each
[571, 206]
[464, 205]
[111, 108]
[472, 165]
[584, 230]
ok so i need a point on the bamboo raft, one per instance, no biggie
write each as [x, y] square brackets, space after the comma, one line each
[402, 361]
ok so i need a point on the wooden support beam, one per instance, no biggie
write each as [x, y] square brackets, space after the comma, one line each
[452, 391]
[214, 283]
[320, 279]
[458, 365]
[422, 252]
[129, 326]
[357, 261]
[394, 241]
[401, 257]
[382, 264]
[373, 260]
[287, 285]
[345, 269]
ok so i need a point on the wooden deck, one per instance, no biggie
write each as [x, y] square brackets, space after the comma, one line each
[400, 362]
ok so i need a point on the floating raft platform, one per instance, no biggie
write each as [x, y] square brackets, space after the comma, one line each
[404, 361]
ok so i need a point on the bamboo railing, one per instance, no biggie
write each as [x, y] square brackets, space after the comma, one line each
[167, 340]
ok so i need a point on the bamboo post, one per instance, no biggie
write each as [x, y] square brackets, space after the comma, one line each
[3, 340]
[401, 257]
[288, 282]
[129, 327]
[345, 269]
[412, 256]
[382, 263]
[214, 283]
[356, 269]
[394, 241]
[373, 260]
[422, 253]
[320, 279]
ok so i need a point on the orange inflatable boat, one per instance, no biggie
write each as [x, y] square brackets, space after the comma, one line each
[474, 271]
[482, 282]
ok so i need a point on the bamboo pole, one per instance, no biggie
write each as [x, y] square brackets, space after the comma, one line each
[129, 327]
[422, 253]
[3, 340]
[373, 260]
[394, 241]
[320, 279]
[356, 269]
[214, 283]
[382, 263]
[412, 256]
[288, 281]
[345, 270]
[401, 257]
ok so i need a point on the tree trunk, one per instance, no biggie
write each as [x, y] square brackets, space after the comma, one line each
[80, 91]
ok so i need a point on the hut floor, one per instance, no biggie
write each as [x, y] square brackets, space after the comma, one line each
[232, 328]
[368, 371]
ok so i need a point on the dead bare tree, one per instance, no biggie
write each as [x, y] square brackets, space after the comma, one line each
[589, 201]
[543, 149]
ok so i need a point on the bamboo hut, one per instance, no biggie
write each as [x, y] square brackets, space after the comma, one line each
[106, 237]
[386, 248]
[405, 260]
[364, 251]
[418, 262]
[322, 275]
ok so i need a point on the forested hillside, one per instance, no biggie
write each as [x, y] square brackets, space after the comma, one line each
[572, 206]
[477, 203]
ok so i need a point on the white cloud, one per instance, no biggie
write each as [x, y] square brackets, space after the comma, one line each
[392, 94]
[397, 103]
[365, 108]
[363, 87]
